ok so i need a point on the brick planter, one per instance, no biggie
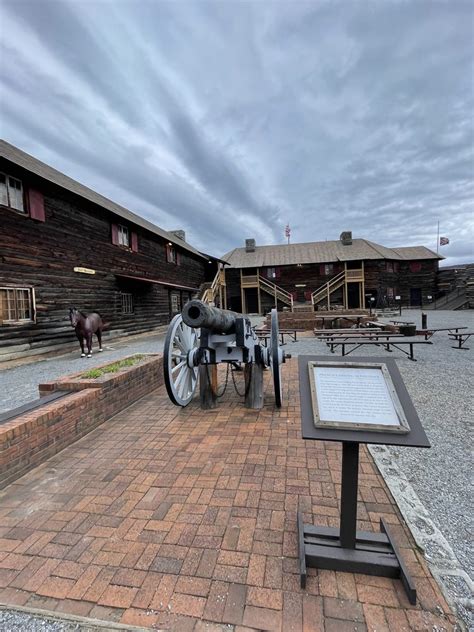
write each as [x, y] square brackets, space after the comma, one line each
[31, 438]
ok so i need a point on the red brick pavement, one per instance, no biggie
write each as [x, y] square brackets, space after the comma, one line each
[186, 520]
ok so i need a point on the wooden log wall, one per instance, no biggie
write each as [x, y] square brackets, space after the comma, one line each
[379, 277]
[77, 233]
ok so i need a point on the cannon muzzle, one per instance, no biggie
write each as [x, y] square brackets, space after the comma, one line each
[220, 321]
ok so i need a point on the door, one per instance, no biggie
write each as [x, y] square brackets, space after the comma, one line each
[251, 300]
[415, 296]
[353, 296]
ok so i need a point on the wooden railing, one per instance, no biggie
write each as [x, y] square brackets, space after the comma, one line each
[250, 281]
[277, 292]
[325, 291]
[218, 283]
[355, 275]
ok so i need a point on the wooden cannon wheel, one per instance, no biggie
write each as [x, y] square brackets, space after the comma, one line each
[180, 378]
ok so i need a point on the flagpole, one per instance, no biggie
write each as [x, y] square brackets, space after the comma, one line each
[437, 240]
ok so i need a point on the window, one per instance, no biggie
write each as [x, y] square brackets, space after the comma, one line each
[273, 273]
[172, 256]
[390, 292]
[123, 236]
[175, 303]
[16, 305]
[326, 269]
[415, 266]
[127, 302]
[11, 193]
[389, 266]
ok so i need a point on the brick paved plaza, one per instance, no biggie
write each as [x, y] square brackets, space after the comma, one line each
[186, 520]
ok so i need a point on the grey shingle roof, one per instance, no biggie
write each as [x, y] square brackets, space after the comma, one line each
[24, 160]
[417, 252]
[322, 252]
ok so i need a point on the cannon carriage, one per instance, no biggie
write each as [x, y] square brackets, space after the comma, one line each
[203, 336]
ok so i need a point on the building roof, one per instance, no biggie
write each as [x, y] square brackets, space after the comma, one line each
[24, 160]
[322, 252]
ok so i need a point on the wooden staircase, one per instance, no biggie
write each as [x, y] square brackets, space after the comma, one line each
[215, 293]
[278, 293]
[324, 292]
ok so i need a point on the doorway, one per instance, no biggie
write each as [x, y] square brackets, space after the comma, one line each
[353, 296]
[415, 296]
[251, 300]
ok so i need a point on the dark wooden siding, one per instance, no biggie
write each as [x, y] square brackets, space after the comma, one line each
[77, 233]
[379, 280]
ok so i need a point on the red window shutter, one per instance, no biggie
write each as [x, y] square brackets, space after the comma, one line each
[36, 205]
[115, 239]
[322, 270]
[415, 266]
[277, 273]
[134, 242]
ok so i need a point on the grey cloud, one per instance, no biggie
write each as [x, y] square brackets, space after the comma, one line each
[231, 119]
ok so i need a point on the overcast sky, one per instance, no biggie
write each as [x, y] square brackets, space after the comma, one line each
[230, 119]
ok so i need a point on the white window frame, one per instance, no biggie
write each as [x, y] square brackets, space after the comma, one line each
[11, 195]
[271, 273]
[171, 254]
[126, 299]
[13, 312]
[328, 268]
[123, 235]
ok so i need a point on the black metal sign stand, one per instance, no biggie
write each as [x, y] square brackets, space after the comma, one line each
[345, 548]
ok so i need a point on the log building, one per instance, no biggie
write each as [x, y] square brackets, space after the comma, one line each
[62, 244]
[321, 275]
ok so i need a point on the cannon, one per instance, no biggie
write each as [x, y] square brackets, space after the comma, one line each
[203, 336]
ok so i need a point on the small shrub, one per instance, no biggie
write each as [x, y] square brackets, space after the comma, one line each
[93, 374]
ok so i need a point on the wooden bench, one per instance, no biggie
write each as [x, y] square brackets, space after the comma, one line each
[429, 333]
[354, 330]
[370, 335]
[461, 338]
[383, 343]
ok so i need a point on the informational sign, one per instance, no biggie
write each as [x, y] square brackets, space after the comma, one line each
[84, 270]
[355, 396]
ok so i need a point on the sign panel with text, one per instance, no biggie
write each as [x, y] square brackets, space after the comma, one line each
[355, 396]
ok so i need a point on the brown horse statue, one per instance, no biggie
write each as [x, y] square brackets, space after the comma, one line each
[85, 326]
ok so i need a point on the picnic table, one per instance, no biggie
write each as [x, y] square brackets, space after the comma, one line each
[429, 333]
[265, 334]
[461, 338]
[382, 343]
[331, 319]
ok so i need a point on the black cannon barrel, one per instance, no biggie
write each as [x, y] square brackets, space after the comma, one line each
[220, 321]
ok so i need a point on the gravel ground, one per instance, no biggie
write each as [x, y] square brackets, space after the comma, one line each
[16, 621]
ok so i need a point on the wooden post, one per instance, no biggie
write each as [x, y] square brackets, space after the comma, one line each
[254, 389]
[208, 389]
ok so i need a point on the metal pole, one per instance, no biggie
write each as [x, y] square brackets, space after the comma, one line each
[349, 481]
[437, 239]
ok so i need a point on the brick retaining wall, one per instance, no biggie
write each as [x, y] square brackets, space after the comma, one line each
[28, 440]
